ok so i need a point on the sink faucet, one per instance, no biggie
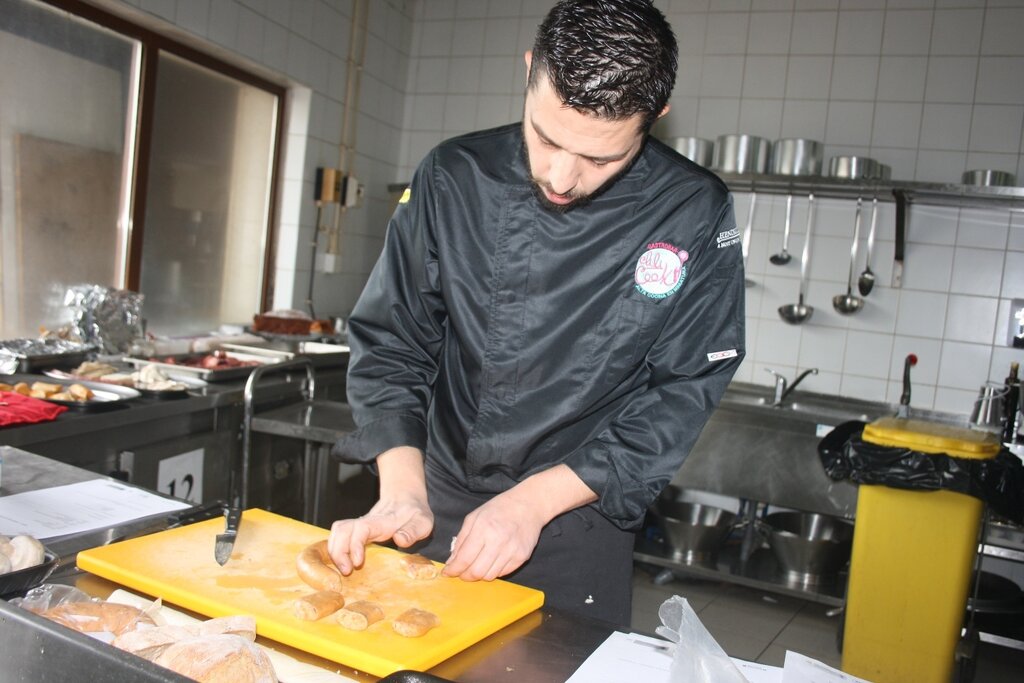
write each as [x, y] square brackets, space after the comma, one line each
[783, 388]
[903, 410]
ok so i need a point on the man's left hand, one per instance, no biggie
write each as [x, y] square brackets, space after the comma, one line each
[500, 535]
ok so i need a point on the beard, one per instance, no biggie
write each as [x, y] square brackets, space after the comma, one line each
[579, 199]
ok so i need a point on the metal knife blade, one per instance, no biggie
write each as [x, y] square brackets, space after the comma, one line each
[226, 541]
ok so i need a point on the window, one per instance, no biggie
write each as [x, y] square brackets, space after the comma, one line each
[131, 161]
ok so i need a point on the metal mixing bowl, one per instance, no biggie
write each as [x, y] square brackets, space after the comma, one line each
[693, 531]
[811, 548]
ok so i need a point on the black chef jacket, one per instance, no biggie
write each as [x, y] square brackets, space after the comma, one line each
[502, 338]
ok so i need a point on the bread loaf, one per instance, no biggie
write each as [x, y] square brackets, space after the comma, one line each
[98, 617]
[222, 658]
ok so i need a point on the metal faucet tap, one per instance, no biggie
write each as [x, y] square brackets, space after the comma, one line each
[783, 388]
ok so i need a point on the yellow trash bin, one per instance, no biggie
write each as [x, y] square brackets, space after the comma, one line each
[911, 564]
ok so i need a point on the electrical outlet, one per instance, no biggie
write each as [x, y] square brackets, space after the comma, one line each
[351, 191]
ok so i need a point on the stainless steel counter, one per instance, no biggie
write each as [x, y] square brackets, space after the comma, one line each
[544, 646]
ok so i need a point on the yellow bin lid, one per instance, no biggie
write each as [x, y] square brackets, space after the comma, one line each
[932, 437]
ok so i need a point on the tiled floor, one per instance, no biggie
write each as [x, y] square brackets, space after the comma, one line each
[760, 627]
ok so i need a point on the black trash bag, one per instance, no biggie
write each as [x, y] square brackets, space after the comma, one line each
[998, 481]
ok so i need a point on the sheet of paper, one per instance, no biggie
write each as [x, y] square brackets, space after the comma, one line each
[76, 508]
[801, 669]
[631, 656]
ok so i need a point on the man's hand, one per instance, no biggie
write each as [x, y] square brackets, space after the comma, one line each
[402, 513]
[500, 535]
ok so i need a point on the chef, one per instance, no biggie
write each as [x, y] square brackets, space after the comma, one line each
[557, 310]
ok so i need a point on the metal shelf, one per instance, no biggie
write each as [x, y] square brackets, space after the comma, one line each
[760, 571]
[940, 194]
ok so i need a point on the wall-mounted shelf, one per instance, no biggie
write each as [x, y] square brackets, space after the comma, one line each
[942, 194]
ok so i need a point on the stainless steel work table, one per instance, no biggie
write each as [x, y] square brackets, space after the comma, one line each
[544, 646]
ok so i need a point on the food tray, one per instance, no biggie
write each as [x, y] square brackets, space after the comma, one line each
[36, 354]
[190, 383]
[105, 395]
[208, 374]
[16, 583]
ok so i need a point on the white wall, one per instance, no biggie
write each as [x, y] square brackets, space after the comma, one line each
[931, 88]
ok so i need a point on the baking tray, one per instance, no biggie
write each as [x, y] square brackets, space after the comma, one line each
[105, 395]
[188, 382]
[208, 374]
[33, 355]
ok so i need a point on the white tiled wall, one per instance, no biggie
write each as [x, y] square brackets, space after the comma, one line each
[929, 87]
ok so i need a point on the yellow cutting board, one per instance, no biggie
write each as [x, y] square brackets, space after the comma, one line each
[177, 566]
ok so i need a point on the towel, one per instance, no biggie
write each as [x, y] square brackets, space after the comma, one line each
[16, 409]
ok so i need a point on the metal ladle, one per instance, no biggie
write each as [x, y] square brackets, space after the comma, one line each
[799, 312]
[867, 278]
[783, 257]
[848, 303]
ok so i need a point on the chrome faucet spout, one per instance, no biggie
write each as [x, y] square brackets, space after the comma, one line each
[780, 396]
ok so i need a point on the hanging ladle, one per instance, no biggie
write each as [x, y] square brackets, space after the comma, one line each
[783, 257]
[800, 312]
[848, 303]
[867, 279]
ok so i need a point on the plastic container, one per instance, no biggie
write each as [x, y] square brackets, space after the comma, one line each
[912, 561]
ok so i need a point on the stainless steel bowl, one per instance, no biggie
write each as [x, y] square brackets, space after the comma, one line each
[853, 167]
[741, 154]
[797, 156]
[810, 548]
[988, 177]
[694, 531]
[697, 150]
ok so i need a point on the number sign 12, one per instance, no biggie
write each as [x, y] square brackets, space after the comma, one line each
[181, 476]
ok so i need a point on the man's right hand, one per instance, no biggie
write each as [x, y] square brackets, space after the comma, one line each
[402, 513]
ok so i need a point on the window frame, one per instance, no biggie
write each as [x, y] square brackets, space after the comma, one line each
[152, 43]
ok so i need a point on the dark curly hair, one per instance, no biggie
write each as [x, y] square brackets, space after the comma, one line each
[610, 58]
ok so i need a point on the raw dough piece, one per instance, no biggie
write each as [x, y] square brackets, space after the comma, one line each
[418, 567]
[414, 622]
[360, 615]
[317, 569]
[318, 605]
[26, 552]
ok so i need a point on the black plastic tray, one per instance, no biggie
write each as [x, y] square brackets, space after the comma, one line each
[16, 583]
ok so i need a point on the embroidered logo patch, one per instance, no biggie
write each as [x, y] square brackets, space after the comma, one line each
[661, 270]
[721, 355]
[728, 238]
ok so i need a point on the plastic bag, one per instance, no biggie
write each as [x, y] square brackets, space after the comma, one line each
[698, 658]
[998, 481]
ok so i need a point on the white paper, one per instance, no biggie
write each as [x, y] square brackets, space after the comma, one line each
[75, 508]
[801, 669]
[633, 657]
